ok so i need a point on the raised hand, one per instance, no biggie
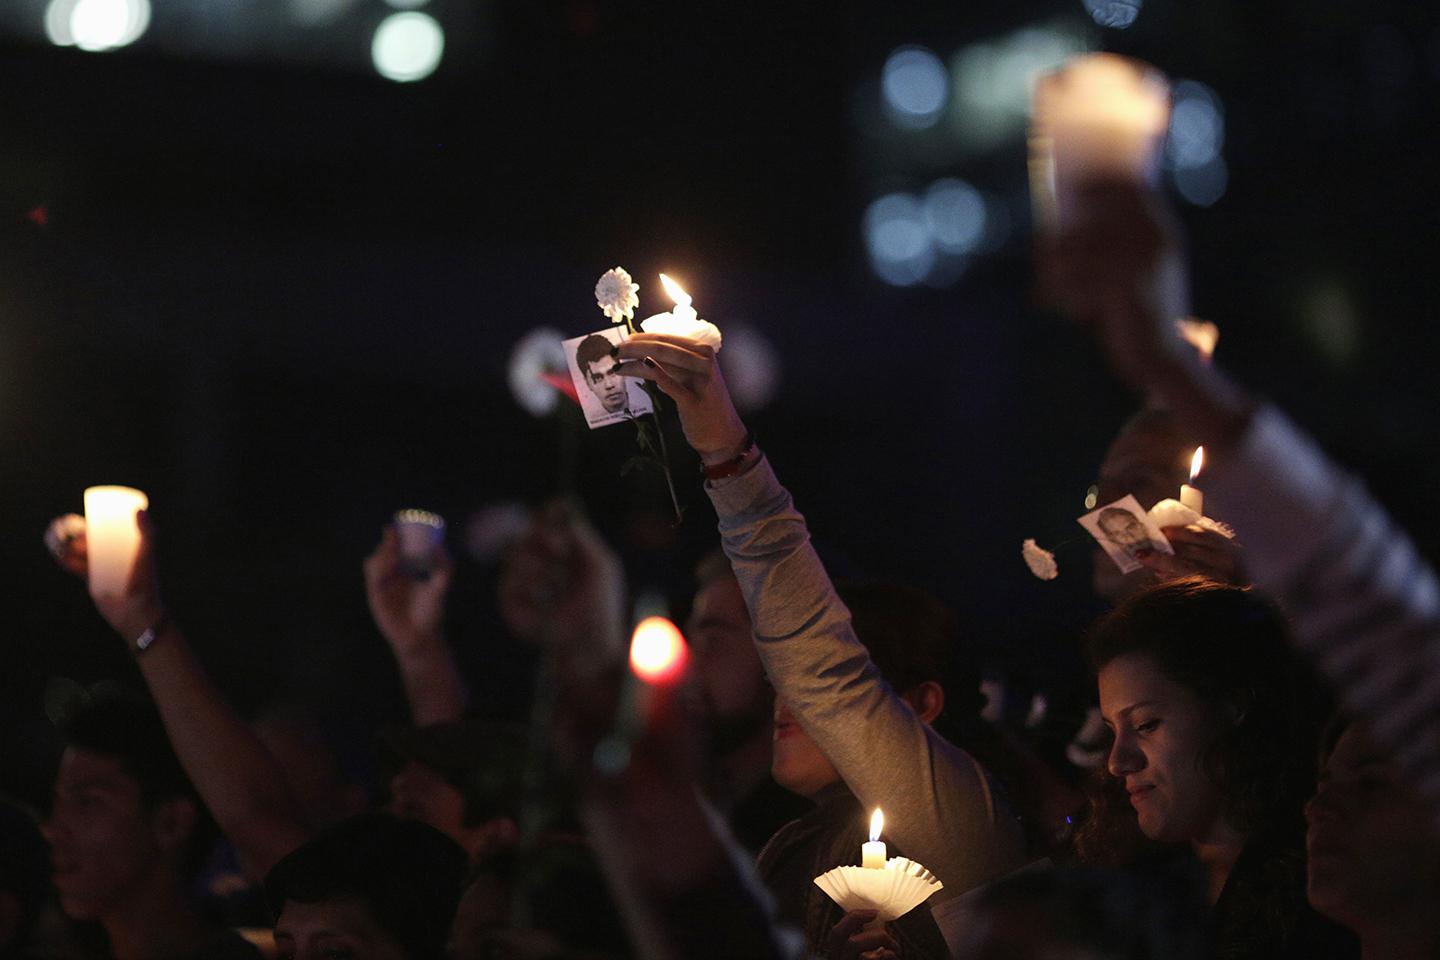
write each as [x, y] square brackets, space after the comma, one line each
[688, 373]
[1197, 551]
[562, 587]
[409, 611]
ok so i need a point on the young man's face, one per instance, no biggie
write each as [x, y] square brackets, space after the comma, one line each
[103, 841]
[607, 385]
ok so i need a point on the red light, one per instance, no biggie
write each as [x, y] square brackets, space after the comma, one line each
[657, 651]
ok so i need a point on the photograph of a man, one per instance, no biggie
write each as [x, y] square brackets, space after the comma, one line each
[1123, 529]
[605, 396]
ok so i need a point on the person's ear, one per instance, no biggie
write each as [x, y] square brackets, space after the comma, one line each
[173, 822]
[927, 699]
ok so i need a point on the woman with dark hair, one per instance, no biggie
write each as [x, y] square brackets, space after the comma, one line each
[1210, 715]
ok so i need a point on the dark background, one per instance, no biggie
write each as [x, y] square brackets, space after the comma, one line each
[277, 292]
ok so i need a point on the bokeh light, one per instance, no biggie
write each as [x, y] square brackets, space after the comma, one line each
[1197, 126]
[898, 239]
[993, 81]
[915, 84]
[955, 215]
[657, 650]
[1115, 14]
[96, 25]
[407, 46]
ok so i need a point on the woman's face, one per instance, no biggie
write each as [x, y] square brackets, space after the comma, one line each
[1161, 732]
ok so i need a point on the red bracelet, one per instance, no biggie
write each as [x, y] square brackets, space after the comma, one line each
[728, 468]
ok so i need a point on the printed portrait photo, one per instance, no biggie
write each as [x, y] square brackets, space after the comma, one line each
[1123, 529]
[605, 396]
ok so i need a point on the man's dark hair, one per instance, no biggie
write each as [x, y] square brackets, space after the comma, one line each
[911, 636]
[591, 349]
[1231, 648]
[406, 875]
[122, 724]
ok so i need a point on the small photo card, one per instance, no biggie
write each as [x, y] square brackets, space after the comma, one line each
[605, 396]
[1123, 528]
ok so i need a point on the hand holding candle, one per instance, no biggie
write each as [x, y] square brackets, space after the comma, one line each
[1100, 117]
[682, 320]
[112, 537]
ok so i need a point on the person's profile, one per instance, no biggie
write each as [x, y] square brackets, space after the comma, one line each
[605, 395]
[1123, 529]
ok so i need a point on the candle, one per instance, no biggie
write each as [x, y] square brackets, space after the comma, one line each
[872, 854]
[421, 533]
[657, 651]
[1100, 116]
[112, 537]
[683, 311]
[1190, 495]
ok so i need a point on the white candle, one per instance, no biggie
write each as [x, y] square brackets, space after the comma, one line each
[1100, 116]
[1190, 495]
[872, 854]
[682, 311]
[112, 537]
[421, 533]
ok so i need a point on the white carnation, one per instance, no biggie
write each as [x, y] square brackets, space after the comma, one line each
[1040, 561]
[1173, 513]
[617, 295]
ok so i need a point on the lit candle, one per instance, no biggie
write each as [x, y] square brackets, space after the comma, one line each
[1100, 116]
[872, 854]
[657, 651]
[1190, 495]
[421, 533]
[112, 537]
[683, 311]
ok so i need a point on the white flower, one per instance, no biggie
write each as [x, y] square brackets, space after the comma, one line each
[701, 331]
[616, 295]
[539, 352]
[1040, 561]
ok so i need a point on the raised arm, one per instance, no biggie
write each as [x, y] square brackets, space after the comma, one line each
[235, 776]
[409, 612]
[939, 804]
[1365, 605]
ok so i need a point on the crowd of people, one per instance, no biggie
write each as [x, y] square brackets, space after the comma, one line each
[1263, 781]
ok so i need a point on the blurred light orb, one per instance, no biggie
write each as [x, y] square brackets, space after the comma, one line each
[898, 239]
[657, 650]
[407, 46]
[1115, 14]
[96, 25]
[1197, 127]
[915, 84]
[751, 365]
[57, 22]
[1202, 186]
[955, 215]
[993, 82]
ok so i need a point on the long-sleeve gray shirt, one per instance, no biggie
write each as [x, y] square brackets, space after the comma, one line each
[940, 806]
[1365, 606]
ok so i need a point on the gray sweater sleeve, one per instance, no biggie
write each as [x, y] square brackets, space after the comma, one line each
[1365, 606]
[939, 804]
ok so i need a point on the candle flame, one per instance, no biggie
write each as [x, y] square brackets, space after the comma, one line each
[676, 292]
[877, 824]
[1196, 463]
[657, 650]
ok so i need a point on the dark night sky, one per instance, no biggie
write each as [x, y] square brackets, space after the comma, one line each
[279, 298]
